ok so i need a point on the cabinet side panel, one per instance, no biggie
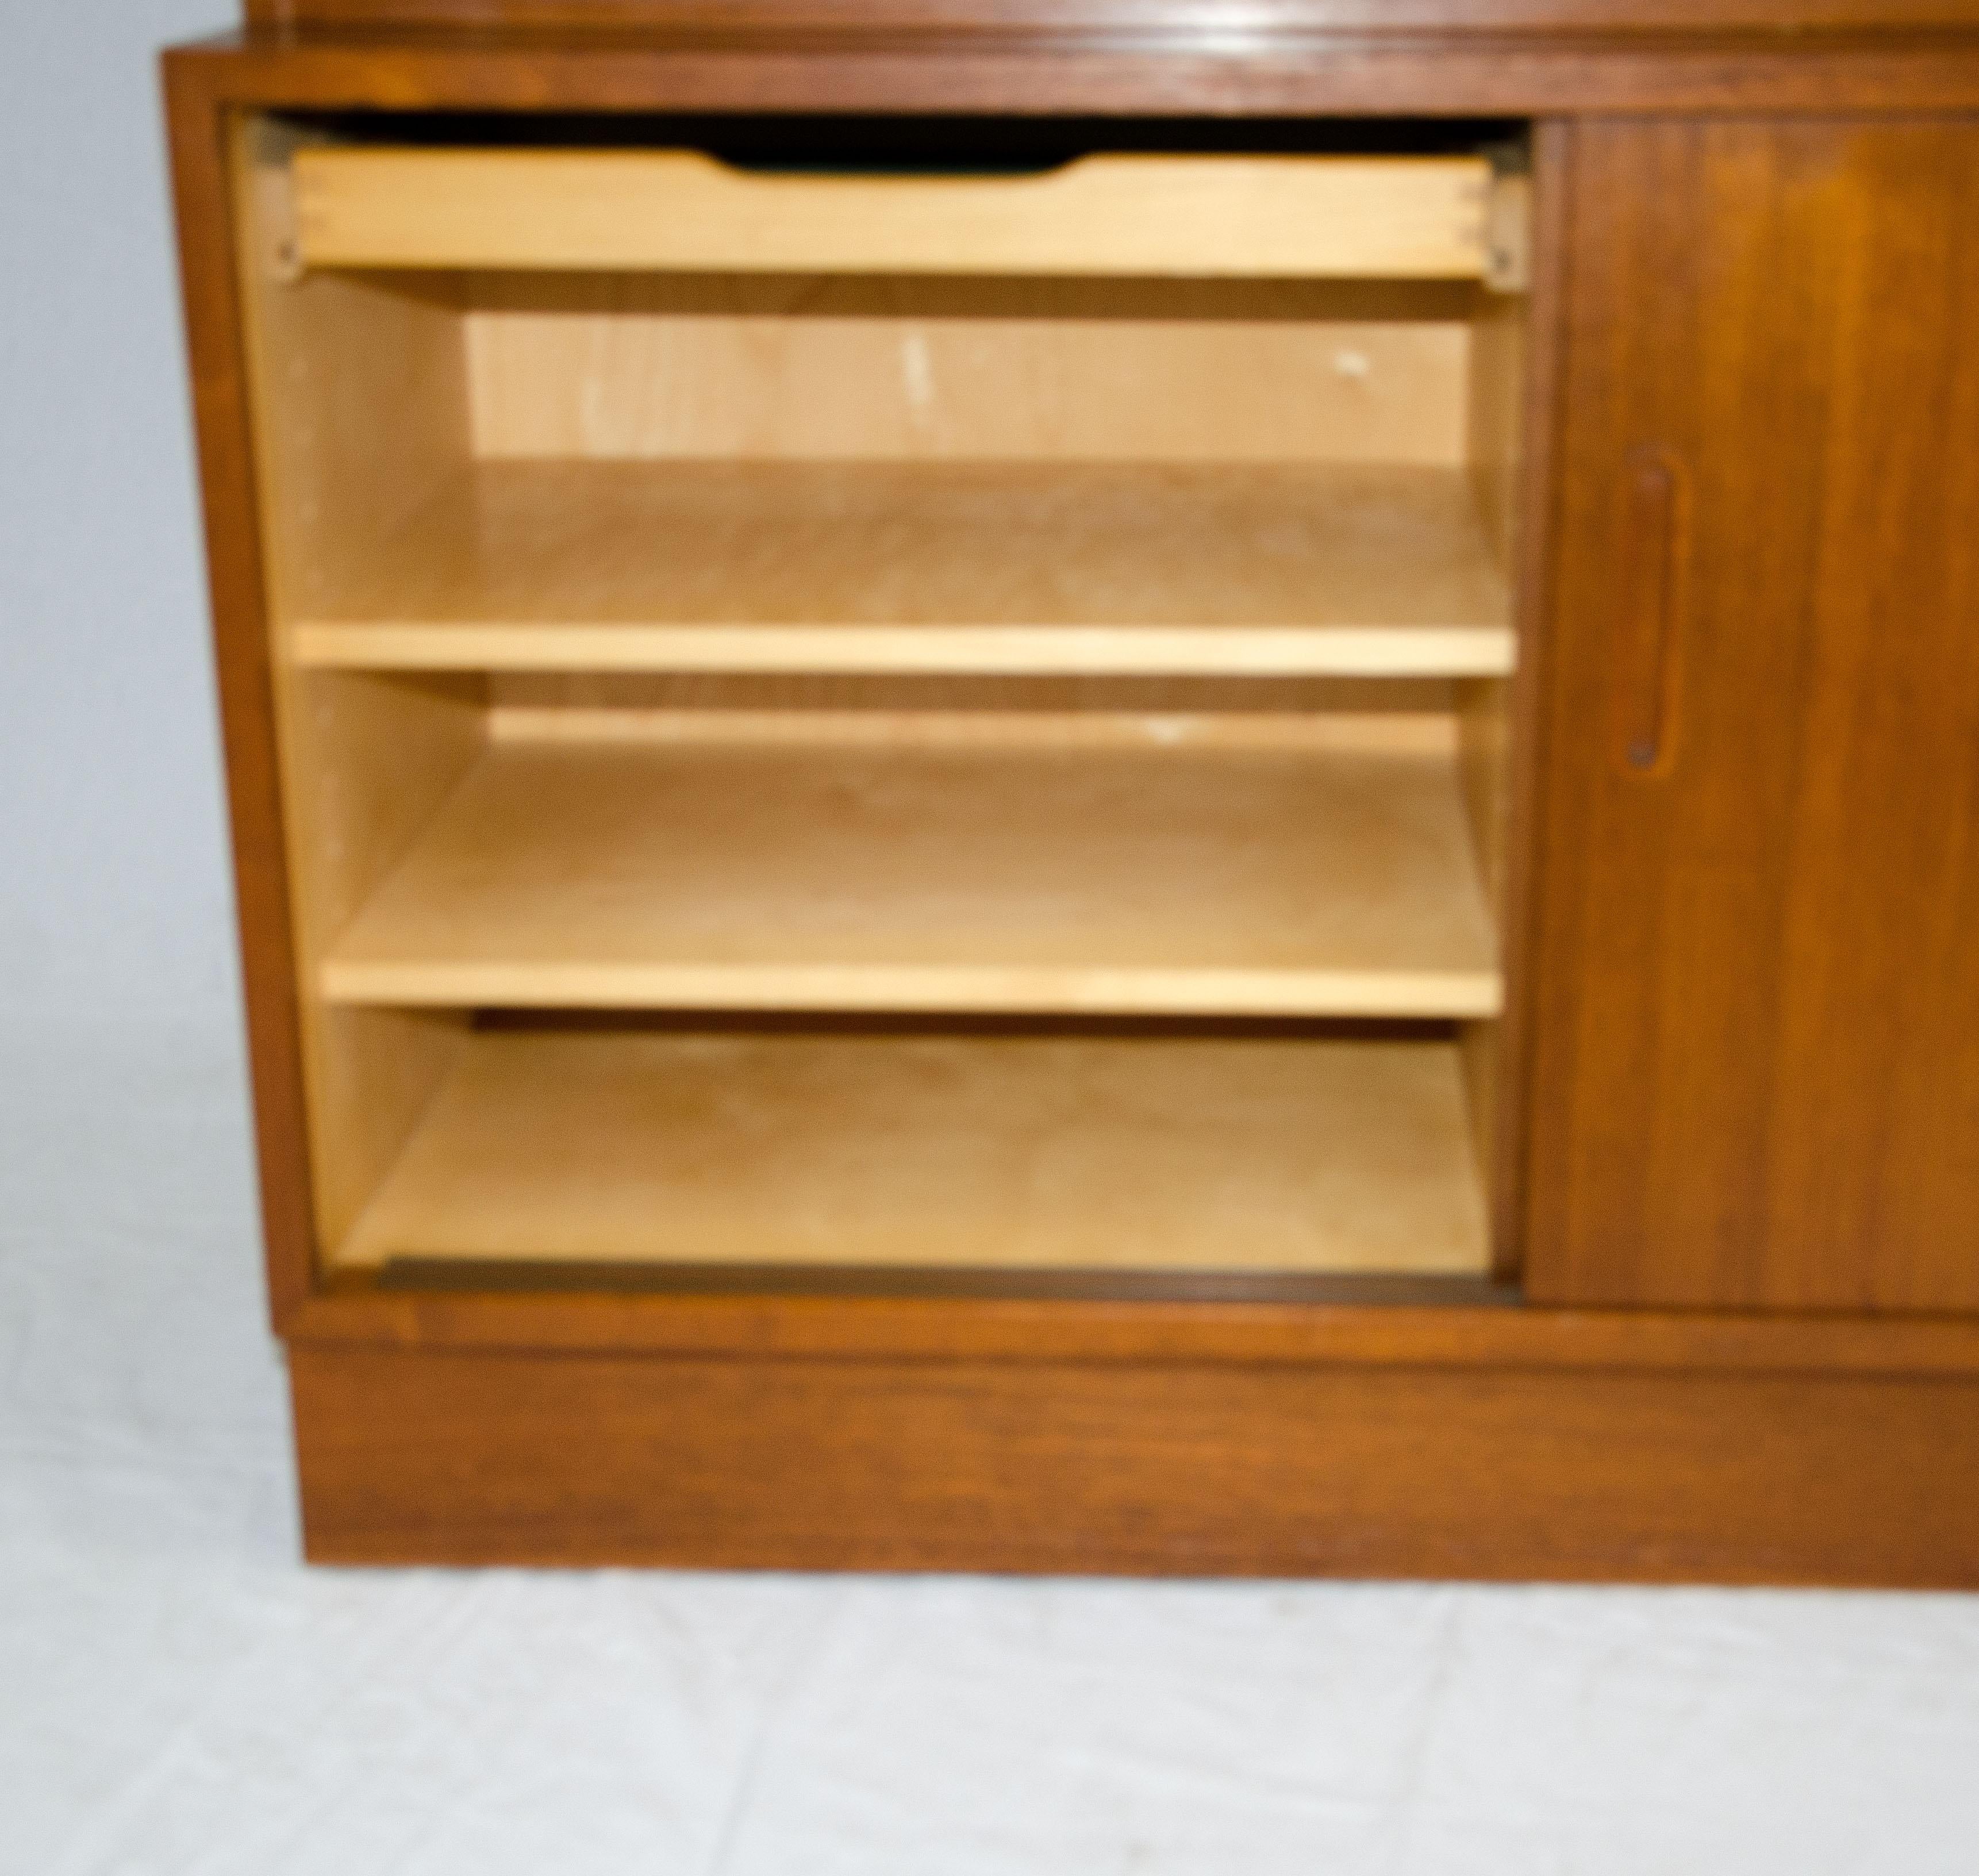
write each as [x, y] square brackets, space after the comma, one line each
[204, 214]
[360, 401]
[1484, 705]
[1511, 416]
[1757, 1067]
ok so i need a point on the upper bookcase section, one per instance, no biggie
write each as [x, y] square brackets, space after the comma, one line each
[1238, 21]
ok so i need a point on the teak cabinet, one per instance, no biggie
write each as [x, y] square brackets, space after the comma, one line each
[1060, 788]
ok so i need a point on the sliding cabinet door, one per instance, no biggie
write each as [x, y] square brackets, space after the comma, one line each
[1756, 1023]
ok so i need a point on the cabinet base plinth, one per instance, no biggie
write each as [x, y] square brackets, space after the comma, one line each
[452, 1457]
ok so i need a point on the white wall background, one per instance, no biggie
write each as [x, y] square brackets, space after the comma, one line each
[113, 878]
[178, 1695]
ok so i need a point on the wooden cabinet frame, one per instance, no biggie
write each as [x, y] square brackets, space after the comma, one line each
[1425, 1432]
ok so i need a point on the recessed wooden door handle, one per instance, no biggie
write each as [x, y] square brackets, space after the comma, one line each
[1649, 609]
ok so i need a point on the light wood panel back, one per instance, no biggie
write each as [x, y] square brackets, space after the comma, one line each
[1092, 370]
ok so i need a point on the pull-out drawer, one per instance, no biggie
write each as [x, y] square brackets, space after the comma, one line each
[1422, 217]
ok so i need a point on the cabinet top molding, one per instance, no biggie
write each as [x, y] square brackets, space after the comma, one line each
[335, 56]
[1211, 19]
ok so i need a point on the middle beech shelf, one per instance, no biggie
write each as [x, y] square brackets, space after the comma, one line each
[1218, 569]
[1266, 865]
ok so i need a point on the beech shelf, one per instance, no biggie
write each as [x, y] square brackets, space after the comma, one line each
[895, 865]
[1330, 569]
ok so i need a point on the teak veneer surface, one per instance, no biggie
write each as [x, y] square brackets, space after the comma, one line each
[1147, 876]
[1437, 1322]
[1256, 18]
[700, 63]
[983, 1151]
[1164, 1467]
[1757, 1076]
[925, 567]
[894, 369]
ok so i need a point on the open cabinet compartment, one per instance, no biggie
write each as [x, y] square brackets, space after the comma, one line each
[987, 755]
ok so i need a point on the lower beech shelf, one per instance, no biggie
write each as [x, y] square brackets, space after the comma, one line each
[1157, 1152]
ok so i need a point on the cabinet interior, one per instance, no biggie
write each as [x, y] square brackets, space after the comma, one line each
[920, 766]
